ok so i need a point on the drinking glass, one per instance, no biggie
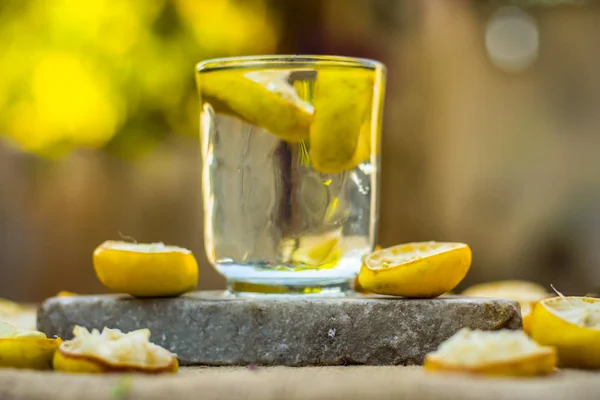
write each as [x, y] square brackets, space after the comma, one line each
[290, 156]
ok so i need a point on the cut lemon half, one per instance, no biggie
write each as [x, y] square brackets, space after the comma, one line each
[526, 293]
[262, 98]
[24, 348]
[145, 270]
[113, 351]
[500, 353]
[343, 100]
[423, 269]
[572, 325]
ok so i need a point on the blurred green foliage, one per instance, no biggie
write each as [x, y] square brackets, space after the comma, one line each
[114, 74]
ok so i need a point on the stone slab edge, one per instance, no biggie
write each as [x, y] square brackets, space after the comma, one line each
[210, 328]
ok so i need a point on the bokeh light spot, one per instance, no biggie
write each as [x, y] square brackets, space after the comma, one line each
[512, 39]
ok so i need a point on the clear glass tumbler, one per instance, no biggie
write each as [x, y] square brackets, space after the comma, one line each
[290, 153]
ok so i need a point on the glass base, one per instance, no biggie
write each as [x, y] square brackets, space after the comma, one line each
[253, 289]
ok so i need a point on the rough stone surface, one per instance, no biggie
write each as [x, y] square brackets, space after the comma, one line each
[210, 328]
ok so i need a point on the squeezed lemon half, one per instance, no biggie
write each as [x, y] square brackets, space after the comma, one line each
[422, 269]
[263, 98]
[572, 325]
[145, 270]
[500, 353]
[24, 348]
[526, 293]
[113, 351]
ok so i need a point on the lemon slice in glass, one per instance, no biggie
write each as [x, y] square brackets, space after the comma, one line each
[317, 250]
[343, 100]
[363, 147]
[24, 348]
[113, 351]
[262, 98]
[526, 293]
[421, 269]
[572, 325]
[145, 270]
[500, 353]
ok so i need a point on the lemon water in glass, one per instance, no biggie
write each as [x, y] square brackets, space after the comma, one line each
[290, 156]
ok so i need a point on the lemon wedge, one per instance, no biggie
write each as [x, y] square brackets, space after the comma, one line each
[24, 348]
[113, 351]
[145, 270]
[421, 269]
[526, 293]
[499, 353]
[342, 110]
[572, 325]
[263, 98]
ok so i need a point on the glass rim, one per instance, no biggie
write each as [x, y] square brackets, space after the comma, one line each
[280, 60]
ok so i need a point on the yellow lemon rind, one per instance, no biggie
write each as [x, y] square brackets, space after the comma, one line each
[527, 321]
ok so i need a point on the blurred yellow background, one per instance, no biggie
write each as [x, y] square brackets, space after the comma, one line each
[491, 127]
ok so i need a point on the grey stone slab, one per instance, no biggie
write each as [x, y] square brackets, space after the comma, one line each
[210, 328]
